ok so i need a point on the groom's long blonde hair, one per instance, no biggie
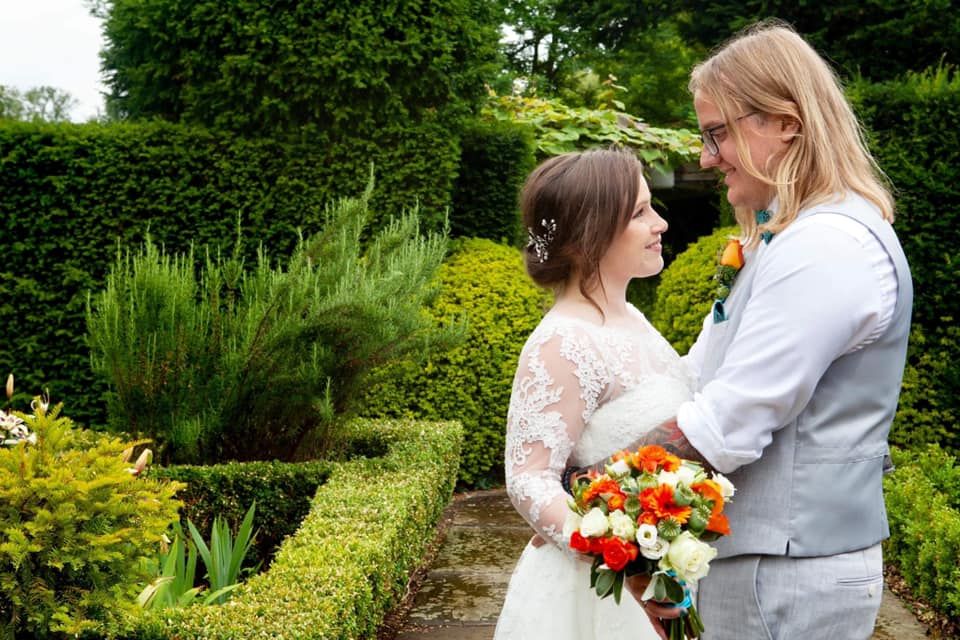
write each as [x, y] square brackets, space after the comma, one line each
[770, 70]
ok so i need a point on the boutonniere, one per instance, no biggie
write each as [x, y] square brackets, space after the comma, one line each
[731, 261]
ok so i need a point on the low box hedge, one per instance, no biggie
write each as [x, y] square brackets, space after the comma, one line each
[923, 505]
[348, 563]
[282, 490]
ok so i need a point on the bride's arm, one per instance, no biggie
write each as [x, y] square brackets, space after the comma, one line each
[556, 388]
[668, 435]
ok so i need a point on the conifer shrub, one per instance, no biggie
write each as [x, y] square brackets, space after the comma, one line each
[71, 193]
[76, 529]
[250, 362]
[472, 382]
[687, 289]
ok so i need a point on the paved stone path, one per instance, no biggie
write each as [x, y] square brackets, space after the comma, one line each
[461, 595]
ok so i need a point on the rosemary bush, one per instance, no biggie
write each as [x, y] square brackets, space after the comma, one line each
[236, 361]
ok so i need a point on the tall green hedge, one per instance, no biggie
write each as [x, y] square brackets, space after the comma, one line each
[495, 158]
[69, 193]
[486, 282]
[915, 125]
[297, 67]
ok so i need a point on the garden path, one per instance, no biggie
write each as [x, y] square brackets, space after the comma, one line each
[460, 596]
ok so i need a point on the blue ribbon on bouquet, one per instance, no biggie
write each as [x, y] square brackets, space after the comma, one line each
[686, 603]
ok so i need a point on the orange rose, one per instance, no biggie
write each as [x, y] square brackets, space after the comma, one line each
[732, 255]
[617, 553]
[579, 543]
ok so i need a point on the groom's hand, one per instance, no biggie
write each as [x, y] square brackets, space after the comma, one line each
[636, 585]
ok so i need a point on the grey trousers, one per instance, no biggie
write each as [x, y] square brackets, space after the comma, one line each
[781, 598]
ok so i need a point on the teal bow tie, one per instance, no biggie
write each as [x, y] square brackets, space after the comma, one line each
[763, 217]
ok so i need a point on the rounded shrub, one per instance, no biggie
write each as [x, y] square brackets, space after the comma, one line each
[687, 290]
[485, 282]
[76, 527]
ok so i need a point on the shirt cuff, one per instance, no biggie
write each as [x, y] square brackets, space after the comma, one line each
[704, 434]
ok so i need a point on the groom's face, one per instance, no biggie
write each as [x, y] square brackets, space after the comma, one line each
[763, 144]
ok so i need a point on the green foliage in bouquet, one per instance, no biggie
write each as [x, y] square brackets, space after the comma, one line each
[247, 361]
[76, 529]
[471, 383]
[687, 289]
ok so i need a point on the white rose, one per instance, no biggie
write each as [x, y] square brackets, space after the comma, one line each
[571, 524]
[622, 525]
[657, 550]
[690, 557]
[687, 475]
[594, 524]
[618, 468]
[726, 487]
[668, 477]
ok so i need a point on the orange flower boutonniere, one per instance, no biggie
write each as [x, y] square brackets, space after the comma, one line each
[731, 261]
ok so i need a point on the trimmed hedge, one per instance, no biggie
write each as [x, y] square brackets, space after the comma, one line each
[282, 491]
[916, 127]
[495, 159]
[348, 563]
[298, 68]
[485, 282]
[687, 290]
[923, 506]
[69, 193]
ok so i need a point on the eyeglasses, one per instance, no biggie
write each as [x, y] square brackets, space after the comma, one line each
[713, 136]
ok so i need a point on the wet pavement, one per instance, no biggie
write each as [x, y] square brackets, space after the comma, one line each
[461, 595]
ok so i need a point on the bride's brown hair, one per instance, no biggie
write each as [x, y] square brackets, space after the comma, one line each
[573, 206]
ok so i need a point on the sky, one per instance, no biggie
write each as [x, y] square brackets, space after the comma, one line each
[55, 43]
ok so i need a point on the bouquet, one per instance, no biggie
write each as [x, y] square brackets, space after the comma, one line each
[651, 513]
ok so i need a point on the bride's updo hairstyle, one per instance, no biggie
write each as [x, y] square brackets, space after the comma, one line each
[573, 207]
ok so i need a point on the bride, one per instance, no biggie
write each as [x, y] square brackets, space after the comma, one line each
[593, 377]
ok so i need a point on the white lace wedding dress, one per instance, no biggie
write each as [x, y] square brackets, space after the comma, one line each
[581, 392]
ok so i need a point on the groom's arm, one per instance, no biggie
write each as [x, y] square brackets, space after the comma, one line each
[668, 435]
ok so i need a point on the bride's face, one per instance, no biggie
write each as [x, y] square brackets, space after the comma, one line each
[637, 251]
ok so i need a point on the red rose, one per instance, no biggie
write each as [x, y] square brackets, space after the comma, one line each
[579, 543]
[617, 554]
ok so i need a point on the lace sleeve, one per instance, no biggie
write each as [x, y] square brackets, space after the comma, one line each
[559, 381]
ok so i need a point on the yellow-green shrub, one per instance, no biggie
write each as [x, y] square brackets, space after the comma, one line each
[923, 505]
[687, 290]
[471, 383]
[75, 527]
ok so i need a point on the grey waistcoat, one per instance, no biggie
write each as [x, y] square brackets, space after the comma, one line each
[817, 488]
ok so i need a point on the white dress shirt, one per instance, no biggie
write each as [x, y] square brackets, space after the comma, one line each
[825, 287]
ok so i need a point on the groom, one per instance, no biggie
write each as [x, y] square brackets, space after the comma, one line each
[799, 368]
